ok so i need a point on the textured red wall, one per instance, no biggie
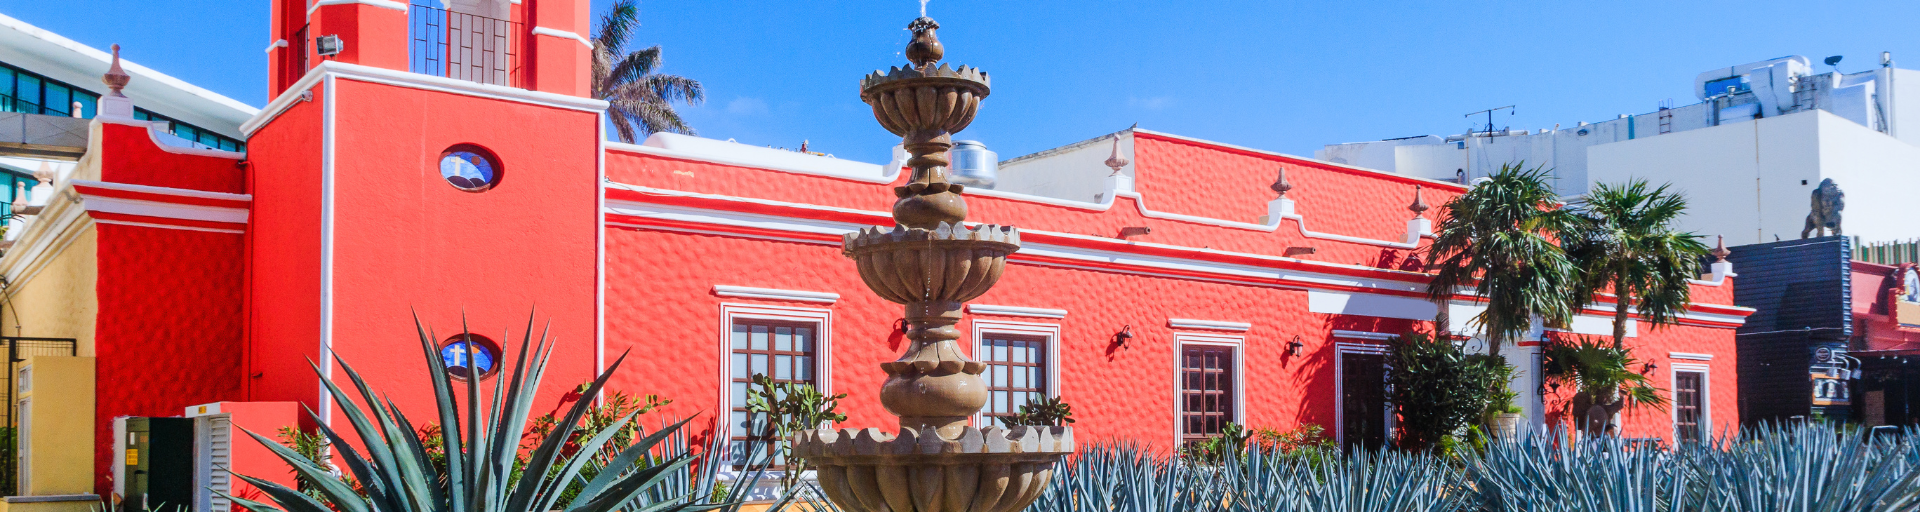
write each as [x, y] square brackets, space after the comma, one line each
[1653, 346]
[661, 305]
[406, 241]
[169, 332]
[128, 155]
[283, 237]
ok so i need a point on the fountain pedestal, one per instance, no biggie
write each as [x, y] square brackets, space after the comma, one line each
[931, 262]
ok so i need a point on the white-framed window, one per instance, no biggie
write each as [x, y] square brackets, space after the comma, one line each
[787, 344]
[1023, 363]
[1209, 391]
[1692, 402]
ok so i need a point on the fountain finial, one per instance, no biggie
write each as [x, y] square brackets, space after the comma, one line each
[1419, 205]
[116, 78]
[925, 49]
[1720, 251]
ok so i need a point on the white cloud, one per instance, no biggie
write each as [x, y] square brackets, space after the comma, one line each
[746, 106]
[1153, 103]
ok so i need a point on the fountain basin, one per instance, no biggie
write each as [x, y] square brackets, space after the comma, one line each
[988, 469]
[948, 264]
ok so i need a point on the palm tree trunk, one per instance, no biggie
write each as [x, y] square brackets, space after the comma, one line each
[1442, 322]
[1622, 304]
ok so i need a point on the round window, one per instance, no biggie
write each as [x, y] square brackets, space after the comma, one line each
[466, 355]
[469, 167]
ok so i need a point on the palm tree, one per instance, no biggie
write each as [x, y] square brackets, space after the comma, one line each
[640, 101]
[1625, 241]
[1498, 237]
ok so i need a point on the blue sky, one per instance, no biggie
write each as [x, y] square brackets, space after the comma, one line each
[1284, 76]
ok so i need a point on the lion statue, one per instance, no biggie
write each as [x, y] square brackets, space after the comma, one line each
[1828, 200]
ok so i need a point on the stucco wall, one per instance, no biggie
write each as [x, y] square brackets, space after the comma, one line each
[59, 300]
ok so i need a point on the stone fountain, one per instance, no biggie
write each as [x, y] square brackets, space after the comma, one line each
[931, 262]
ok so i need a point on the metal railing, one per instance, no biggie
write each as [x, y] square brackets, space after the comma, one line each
[464, 46]
[296, 57]
[1887, 253]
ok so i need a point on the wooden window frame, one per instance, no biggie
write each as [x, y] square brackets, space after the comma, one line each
[1239, 379]
[821, 319]
[1674, 369]
[1049, 369]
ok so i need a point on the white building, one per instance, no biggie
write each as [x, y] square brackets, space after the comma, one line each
[1747, 156]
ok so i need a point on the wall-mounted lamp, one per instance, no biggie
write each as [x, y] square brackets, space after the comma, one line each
[1649, 368]
[1293, 347]
[1133, 231]
[1124, 336]
[328, 45]
[1555, 386]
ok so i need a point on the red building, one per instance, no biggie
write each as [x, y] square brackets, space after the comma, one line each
[378, 185]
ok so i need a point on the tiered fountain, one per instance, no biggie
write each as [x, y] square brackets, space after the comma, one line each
[931, 262]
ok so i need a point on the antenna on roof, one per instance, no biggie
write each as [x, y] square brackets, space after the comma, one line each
[1489, 113]
[1834, 62]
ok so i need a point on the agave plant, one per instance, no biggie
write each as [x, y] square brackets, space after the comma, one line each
[1812, 468]
[482, 443]
[1383, 481]
[1544, 472]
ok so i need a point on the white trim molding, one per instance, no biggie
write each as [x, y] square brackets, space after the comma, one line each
[1706, 398]
[986, 309]
[332, 69]
[383, 4]
[1051, 370]
[276, 44]
[775, 294]
[554, 32]
[1364, 335]
[1211, 325]
[1689, 356]
[822, 369]
[1239, 345]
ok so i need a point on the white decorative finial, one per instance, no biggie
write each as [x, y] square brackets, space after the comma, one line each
[923, 8]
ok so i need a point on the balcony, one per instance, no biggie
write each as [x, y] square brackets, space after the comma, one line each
[42, 136]
[465, 46]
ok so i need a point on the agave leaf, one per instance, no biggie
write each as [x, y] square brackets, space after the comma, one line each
[542, 458]
[293, 500]
[449, 419]
[358, 465]
[411, 484]
[337, 492]
[623, 491]
[619, 464]
[413, 451]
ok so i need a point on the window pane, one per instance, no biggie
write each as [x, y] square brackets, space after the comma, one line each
[1017, 352]
[1019, 377]
[739, 394]
[803, 368]
[758, 340]
[1033, 378]
[759, 364]
[1000, 351]
[999, 378]
[89, 103]
[27, 95]
[740, 366]
[803, 339]
[58, 101]
[783, 367]
[739, 336]
[783, 339]
[739, 423]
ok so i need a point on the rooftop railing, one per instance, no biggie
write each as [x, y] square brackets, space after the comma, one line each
[464, 46]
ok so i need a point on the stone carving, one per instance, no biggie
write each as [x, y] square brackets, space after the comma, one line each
[1828, 200]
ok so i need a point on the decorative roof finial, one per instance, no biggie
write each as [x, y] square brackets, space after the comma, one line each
[1114, 161]
[1419, 205]
[1720, 251]
[925, 49]
[1281, 184]
[116, 78]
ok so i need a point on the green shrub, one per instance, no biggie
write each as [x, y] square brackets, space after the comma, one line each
[1438, 389]
[1041, 412]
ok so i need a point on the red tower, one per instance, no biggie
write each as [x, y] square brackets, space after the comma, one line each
[443, 162]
